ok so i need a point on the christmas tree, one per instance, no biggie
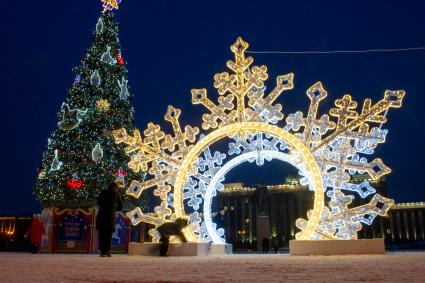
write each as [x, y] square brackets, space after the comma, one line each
[81, 157]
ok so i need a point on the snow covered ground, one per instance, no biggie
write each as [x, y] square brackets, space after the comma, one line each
[392, 267]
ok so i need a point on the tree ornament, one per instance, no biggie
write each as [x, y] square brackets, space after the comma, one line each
[71, 118]
[99, 26]
[75, 182]
[56, 164]
[120, 180]
[106, 56]
[110, 4]
[119, 58]
[124, 94]
[42, 174]
[76, 80]
[95, 78]
[97, 153]
[102, 105]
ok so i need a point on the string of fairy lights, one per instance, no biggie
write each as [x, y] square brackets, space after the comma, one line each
[113, 4]
[381, 50]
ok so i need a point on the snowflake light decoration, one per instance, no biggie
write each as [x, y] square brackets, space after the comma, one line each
[186, 172]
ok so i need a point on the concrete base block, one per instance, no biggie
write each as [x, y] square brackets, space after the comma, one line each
[179, 249]
[150, 249]
[337, 247]
[221, 249]
[188, 249]
[175, 249]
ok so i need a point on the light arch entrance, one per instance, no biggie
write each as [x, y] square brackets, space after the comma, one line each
[300, 156]
[245, 157]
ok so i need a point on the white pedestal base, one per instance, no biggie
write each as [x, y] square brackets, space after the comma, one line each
[179, 249]
[220, 249]
[337, 247]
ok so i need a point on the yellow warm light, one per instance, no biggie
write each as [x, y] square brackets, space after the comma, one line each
[110, 4]
[242, 109]
[229, 130]
[102, 105]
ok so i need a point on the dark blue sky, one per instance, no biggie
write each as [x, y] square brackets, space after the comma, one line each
[172, 46]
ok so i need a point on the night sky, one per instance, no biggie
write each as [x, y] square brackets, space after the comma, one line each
[172, 46]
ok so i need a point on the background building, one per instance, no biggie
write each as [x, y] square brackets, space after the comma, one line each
[403, 228]
[12, 231]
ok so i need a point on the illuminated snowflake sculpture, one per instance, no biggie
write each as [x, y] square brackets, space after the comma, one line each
[186, 173]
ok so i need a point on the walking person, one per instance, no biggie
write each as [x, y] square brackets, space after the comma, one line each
[275, 244]
[169, 229]
[36, 230]
[109, 202]
[266, 245]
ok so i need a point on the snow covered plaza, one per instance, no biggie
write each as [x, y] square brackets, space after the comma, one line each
[392, 267]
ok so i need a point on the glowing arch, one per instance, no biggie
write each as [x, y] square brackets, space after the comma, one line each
[237, 161]
[307, 158]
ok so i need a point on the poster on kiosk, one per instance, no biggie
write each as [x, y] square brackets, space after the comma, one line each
[73, 230]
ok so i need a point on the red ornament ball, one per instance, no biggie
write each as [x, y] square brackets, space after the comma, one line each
[74, 184]
[120, 59]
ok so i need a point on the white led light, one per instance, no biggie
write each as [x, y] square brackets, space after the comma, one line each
[220, 176]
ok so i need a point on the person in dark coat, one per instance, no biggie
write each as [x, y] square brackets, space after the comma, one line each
[109, 202]
[266, 245]
[275, 244]
[169, 229]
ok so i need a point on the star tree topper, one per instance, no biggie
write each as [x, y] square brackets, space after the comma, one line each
[110, 4]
